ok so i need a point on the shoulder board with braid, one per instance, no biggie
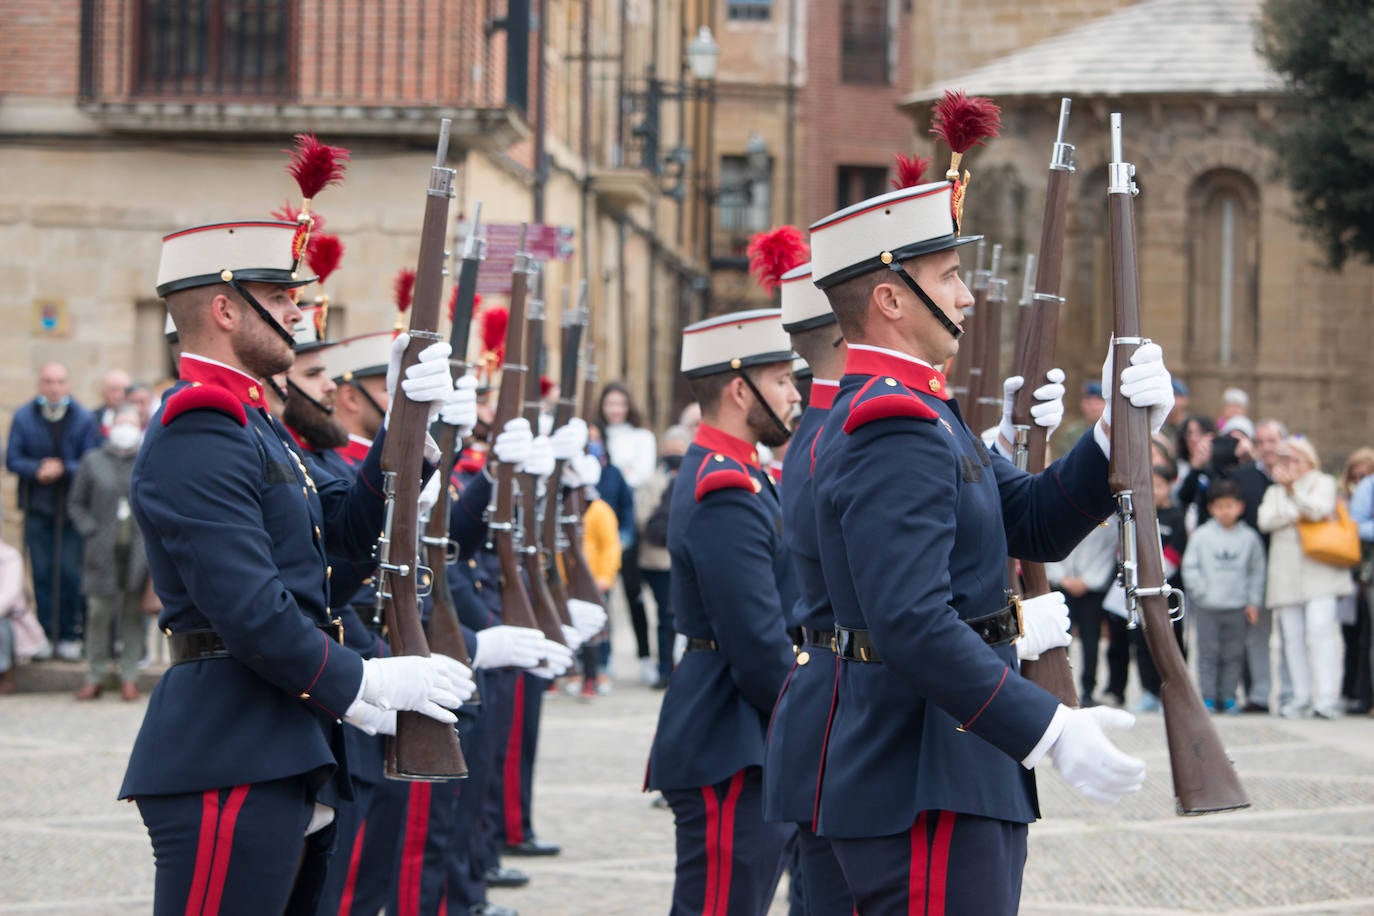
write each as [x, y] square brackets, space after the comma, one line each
[204, 397]
[883, 397]
[719, 472]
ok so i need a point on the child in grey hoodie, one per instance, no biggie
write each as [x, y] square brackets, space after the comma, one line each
[1223, 574]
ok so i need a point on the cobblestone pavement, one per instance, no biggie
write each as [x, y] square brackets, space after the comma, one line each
[1306, 846]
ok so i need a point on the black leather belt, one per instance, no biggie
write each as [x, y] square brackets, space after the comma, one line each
[697, 644]
[996, 629]
[195, 645]
[816, 639]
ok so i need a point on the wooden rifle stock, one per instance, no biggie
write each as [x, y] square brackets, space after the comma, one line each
[985, 394]
[549, 539]
[445, 632]
[1035, 348]
[1204, 778]
[516, 610]
[548, 617]
[422, 748]
[961, 375]
[581, 582]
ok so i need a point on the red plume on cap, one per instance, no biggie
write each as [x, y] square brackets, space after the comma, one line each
[289, 214]
[494, 322]
[323, 254]
[964, 122]
[545, 386]
[404, 288]
[774, 253]
[316, 165]
[910, 171]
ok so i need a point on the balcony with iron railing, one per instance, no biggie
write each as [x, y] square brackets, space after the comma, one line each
[368, 67]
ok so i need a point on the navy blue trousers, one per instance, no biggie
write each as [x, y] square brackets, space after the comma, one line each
[239, 850]
[498, 699]
[40, 537]
[379, 835]
[822, 881]
[728, 858]
[510, 798]
[465, 886]
[947, 864]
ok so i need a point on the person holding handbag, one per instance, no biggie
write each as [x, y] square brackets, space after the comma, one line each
[1303, 591]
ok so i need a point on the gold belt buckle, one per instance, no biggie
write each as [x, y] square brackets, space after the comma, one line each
[337, 624]
[1020, 618]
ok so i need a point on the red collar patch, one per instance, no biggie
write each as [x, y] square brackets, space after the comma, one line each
[823, 394]
[355, 451]
[716, 440]
[241, 385]
[913, 375]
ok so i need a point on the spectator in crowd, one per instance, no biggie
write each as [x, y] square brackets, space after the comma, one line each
[1174, 423]
[690, 418]
[651, 514]
[1090, 407]
[1173, 537]
[140, 395]
[1084, 577]
[114, 573]
[48, 436]
[1234, 403]
[1303, 591]
[1357, 685]
[1229, 455]
[631, 448]
[11, 605]
[601, 547]
[1269, 434]
[1194, 451]
[1224, 566]
[114, 388]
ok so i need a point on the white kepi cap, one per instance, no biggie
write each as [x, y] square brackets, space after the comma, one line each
[734, 341]
[310, 330]
[359, 357]
[803, 305]
[890, 227]
[256, 251]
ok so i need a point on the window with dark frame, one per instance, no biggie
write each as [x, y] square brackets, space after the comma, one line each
[866, 42]
[854, 183]
[748, 10]
[744, 197]
[216, 48]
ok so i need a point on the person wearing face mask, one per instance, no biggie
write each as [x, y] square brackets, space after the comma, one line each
[114, 570]
[47, 439]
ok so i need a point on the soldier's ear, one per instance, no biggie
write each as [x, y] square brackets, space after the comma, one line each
[224, 312]
[885, 302]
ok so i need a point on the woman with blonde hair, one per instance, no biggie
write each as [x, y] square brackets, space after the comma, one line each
[1304, 592]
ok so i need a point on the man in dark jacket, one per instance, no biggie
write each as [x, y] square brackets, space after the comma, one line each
[47, 439]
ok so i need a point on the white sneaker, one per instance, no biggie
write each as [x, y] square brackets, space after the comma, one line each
[648, 672]
[69, 650]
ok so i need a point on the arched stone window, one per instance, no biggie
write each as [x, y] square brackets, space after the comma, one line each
[1223, 270]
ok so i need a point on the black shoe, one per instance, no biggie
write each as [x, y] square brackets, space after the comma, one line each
[531, 847]
[492, 909]
[661, 684]
[497, 876]
[1255, 707]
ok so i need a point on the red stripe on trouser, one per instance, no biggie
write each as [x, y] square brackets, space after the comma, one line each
[727, 841]
[916, 875]
[825, 743]
[413, 852]
[708, 797]
[205, 851]
[224, 848]
[939, 863]
[511, 788]
[354, 859]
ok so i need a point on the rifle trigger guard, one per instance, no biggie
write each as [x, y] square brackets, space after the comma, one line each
[424, 581]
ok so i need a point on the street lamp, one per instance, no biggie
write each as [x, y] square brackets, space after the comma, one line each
[702, 55]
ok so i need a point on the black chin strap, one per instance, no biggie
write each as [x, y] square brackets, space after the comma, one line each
[758, 396]
[264, 314]
[277, 389]
[296, 389]
[367, 397]
[935, 310]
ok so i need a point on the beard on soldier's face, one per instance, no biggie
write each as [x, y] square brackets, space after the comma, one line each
[313, 425]
[764, 429]
[261, 350]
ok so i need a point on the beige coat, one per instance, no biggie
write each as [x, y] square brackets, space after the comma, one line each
[1293, 577]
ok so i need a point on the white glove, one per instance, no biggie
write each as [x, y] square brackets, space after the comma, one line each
[569, 439]
[372, 719]
[432, 453]
[573, 637]
[512, 445]
[508, 647]
[1146, 382]
[1089, 762]
[1046, 618]
[582, 471]
[429, 495]
[431, 685]
[557, 659]
[460, 405]
[539, 462]
[587, 617]
[428, 380]
[1047, 413]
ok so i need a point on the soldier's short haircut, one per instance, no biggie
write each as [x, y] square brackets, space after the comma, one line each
[190, 308]
[850, 301]
[707, 389]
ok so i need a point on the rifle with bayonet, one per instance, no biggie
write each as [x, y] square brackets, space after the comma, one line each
[445, 632]
[549, 618]
[965, 363]
[1204, 778]
[549, 536]
[422, 748]
[1035, 346]
[985, 396]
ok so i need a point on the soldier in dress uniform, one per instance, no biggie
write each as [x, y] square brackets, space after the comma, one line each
[926, 789]
[724, 536]
[238, 765]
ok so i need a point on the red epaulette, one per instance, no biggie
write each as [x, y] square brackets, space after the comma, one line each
[882, 397]
[720, 472]
[204, 397]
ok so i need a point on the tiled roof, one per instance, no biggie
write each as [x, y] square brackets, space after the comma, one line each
[1154, 47]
